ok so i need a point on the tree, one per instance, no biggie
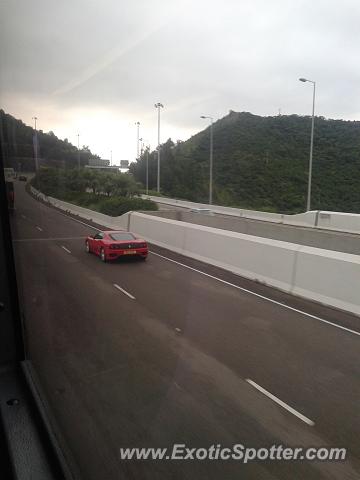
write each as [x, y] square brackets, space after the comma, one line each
[91, 180]
[262, 163]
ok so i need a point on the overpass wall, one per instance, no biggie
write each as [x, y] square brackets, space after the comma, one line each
[306, 219]
[343, 222]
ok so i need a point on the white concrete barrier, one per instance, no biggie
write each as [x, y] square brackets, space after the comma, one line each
[328, 277]
[343, 222]
[120, 222]
[91, 215]
[303, 219]
[338, 221]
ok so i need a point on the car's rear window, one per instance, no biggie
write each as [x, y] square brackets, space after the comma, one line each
[119, 237]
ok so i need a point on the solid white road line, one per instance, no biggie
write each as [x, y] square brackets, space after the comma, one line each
[301, 312]
[281, 403]
[66, 249]
[40, 229]
[124, 291]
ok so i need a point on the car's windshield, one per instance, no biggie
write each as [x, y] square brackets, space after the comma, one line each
[119, 236]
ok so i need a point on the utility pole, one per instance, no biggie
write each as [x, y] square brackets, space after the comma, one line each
[137, 139]
[36, 146]
[308, 202]
[147, 169]
[211, 158]
[158, 106]
[78, 136]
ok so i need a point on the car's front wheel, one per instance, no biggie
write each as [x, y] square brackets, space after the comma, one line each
[102, 255]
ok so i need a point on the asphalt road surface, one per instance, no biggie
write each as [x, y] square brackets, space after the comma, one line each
[195, 355]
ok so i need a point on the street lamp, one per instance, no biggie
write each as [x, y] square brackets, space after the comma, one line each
[36, 145]
[110, 158]
[158, 106]
[147, 149]
[147, 169]
[137, 139]
[308, 203]
[211, 158]
[78, 137]
[141, 146]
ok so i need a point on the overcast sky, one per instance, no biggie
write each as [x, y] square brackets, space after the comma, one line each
[97, 67]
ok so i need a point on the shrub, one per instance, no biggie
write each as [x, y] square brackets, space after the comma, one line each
[152, 193]
[117, 206]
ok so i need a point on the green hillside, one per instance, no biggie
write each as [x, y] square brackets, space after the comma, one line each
[262, 163]
[17, 145]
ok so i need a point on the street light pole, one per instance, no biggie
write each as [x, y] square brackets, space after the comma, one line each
[78, 136]
[158, 106]
[211, 158]
[110, 158]
[147, 169]
[308, 202]
[36, 146]
[137, 139]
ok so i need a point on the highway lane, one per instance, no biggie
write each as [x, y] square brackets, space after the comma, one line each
[118, 372]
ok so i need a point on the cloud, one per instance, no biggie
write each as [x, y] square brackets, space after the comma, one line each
[99, 67]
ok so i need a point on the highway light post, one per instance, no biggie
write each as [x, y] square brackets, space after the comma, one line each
[78, 136]
[110, 158]
[141, 146]
[36, 146]
[137, 139]
[308, 203]
[211, 158]
[158, 106]
[147, 169]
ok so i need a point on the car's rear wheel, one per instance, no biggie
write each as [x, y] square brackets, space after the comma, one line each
[102, 255]
[143, 258]
[87, 247]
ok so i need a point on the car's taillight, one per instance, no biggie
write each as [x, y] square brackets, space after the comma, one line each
[142, 245]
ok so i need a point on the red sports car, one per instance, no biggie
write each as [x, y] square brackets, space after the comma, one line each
[112, 245]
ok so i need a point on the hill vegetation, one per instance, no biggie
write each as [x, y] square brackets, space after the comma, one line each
[262, 163]
[259, 162]
[17, 144]
[109, 193]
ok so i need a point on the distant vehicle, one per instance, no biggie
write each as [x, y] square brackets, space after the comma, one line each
[111, 245]
[205, 211]
[22, 178]
[10, 195]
